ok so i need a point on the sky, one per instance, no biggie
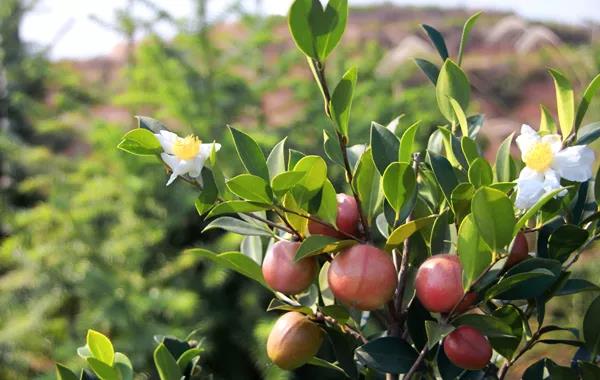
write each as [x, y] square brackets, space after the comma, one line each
[67, 26]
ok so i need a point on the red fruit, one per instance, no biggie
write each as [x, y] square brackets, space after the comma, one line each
[293, 340]
[519, 251]
[347, 219]
[439, 283]
[466, 302]
[285, 275]
[363, 277]
[467, 348]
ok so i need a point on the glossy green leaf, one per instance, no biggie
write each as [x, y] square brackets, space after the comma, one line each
[460, 117]
[332, 149]
[535, 208]
[232, 207]
[488, 325]
[407, 143]
[510, 282]
[403, 232]
[250, 154]
[367, 183]
[251, 246]
[166, 365]
[100, 347]
[577, 285]
[534, 287]
[140, 142]
[465, 35]
[209, 194]
[440, 240]
[315, 170]
[591, 328]
[494, 217]
[386, 355]
[341, 100]
[588, 134]
[325, 364]
[325, 205]
[103, 370]
[438, 40]
[399, 185]
[124, 366]
[461, 201]
[436, 332]
[63, 373]
[317, 30]
[475, 256]
[285, 181]
[150, 124]
[565, 240]
[232, 260]
[276, 159]
[510, 316]
[588, 95]
[547, 123]
[565, 102]
[469, 149]
[186, 358]
[504, 170]
[386, 144]
[251, 188]
[480, 173]
[238, 226]
[444, 174]
[318, 244]
[429, 69]
[452, 83]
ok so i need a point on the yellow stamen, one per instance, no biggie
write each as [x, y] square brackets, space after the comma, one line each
[539, 157]
[186, 148]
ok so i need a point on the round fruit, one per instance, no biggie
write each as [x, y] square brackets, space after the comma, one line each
[519, 251]
[467, 348]
[285, 275]
[439, 283]
[363, 277]
[347, 219]
[293, 340]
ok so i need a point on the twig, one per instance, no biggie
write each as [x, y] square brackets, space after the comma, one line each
[288, 224]
[270, 223]
[320, 317]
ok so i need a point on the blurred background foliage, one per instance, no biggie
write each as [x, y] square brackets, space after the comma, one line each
[92, 238]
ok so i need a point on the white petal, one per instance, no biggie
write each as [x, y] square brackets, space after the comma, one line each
[178, 167]
[205, 149]
[170, 160]
[527, 174]
[528, 192]
[554, 141]
[574, 163]
[527, 139]
[172, 178]
[551, 180]
[166, 139]
[196, 166]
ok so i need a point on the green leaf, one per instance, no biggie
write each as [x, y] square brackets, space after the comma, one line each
[589, 371]
[461, 201]
[103, 370]
[436, 332]
[232, 207]
[209, 194]
[238, 226]
[250, 154]
[150, 124]
[465, 35]
[165, 364]
[588, 94]
[504, 171]
[100, 347]
[386, 355]
[535, 371]
[123, 365]
[140, 142]
[452, 83]
[407, 143]
[63, 373]
[326, 204]
[469, 149]
[577, 285]
[430, 70]
[294, 157]
[474, 254]
[276, 159]
[494, 217]
[511, 317]
[547, 124]
[186, 358]
[460, 117]
[251, 188]
[565, 240]
[444, 174]
[341, 100]
[325, 364]
[403, 232]
[588, 134]
[251, 246]
[565, 102]
[367, 183]
[315, 169]
[535, 208]
[399, 185]
[332, 149]
[277, 304]
[283, 182]
[480, 173]
[318, 244]
[315, 30]
[437, 39]
[386, 144]
[533, 287]
[488, 325]
[236, 261]
[591, 328]
[510, 282]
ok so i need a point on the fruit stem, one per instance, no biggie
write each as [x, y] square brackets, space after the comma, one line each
[320, 317]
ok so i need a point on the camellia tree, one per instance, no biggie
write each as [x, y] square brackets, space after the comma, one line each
[425, 264]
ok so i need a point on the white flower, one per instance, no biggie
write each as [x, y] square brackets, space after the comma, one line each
[184, 155]
[546, 162]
